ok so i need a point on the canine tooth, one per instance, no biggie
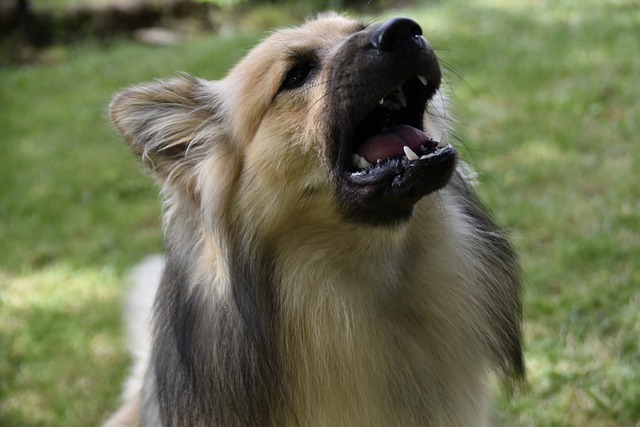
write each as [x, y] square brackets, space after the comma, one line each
[409, 153]
[444, 139]
[359, 161]
[363, 163]
[381, 101]
[423, 80]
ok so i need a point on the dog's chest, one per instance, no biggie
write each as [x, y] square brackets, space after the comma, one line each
[355, 362]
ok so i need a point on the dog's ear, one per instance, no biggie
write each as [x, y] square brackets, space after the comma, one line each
[167, 123]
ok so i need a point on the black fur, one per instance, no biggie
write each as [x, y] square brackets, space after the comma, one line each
[506, 307]
[216, 362]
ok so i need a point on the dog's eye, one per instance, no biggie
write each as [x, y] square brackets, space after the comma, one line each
[297, 75]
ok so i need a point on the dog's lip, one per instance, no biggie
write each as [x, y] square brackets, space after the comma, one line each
[385, 193]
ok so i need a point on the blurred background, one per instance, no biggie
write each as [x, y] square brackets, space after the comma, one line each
[545, 95]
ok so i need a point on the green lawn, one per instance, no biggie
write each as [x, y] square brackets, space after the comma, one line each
[545, 94]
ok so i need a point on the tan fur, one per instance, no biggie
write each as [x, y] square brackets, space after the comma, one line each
[379, 326]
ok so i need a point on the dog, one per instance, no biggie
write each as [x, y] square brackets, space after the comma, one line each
[327, 262]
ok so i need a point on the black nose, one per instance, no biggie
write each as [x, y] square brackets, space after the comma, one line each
[395, 32]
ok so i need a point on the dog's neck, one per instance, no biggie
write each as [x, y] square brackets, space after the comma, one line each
[323, 319]
[359, 313]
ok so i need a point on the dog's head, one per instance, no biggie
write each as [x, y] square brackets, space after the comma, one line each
[331, 119]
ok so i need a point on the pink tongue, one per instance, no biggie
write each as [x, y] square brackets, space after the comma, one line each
[390, 143]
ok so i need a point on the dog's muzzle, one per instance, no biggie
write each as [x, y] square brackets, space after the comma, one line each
[384, 161]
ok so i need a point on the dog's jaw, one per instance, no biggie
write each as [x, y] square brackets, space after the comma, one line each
[383, 161]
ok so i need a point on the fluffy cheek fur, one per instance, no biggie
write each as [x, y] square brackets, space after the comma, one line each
[283, 183]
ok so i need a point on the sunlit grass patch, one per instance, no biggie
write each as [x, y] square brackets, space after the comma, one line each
[62, 346]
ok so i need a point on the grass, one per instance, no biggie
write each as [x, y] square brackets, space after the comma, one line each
[545, 93]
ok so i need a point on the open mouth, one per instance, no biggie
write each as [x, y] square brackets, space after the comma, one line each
[390, 138]
[384, 160]
[390, 163]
